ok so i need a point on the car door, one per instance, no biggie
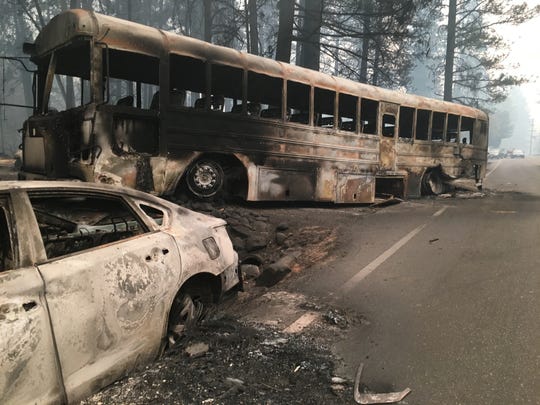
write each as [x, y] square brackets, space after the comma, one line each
[29, 371]
[109, 282]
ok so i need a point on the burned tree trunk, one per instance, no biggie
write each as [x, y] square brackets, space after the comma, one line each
[253, 27]
[363, 76]
[450, 50]
[207, 5]
[285, 29]
[311, 34]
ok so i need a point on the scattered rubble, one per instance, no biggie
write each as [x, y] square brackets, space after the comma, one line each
[372, 398]
[337, 318]
[270, 246]
[245, 364]
[197, 349]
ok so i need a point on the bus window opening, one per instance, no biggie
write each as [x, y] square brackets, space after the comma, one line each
[467, 131]
[347, 112]
[422, 125]
[406, 121]
[452, 130]
[324, 107]
[389, 125]
[369, 111]
[265, 91]
[439, 120]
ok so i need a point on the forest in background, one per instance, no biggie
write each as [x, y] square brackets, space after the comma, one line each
[447, 49]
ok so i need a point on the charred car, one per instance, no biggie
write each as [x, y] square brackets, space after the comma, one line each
[96, 280]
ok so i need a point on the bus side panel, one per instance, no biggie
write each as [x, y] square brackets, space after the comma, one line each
[300, 152]
[286, 185]
[355, 188]
[455, 160]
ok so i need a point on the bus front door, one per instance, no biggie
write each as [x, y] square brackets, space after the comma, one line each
[388, 133]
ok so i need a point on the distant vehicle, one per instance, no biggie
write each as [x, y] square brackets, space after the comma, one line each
[517, 154]
[95, 281]
[494, 154]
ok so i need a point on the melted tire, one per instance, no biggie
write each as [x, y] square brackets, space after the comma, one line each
[432, 183]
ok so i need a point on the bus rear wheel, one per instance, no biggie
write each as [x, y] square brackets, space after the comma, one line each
[432, 183]
[205, 178]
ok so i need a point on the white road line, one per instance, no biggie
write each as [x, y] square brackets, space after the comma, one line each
[303, 322]
[495, 168]
[367, 270]
[440, 212]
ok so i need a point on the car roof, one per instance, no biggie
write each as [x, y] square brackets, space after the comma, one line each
[61, 185]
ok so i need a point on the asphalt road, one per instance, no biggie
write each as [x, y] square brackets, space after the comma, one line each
[449, 290]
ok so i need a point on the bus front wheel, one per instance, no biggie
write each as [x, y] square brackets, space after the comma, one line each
[205, 178]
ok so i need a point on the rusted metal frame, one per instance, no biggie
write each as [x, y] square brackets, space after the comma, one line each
[311, 119]
[378, 130]
[208, 79]
[380, 119]
[284, 100]
[96, 72]
[459, 129]
[396, 124]
[336, 110]
[414, 122]
[51, 68]
[164, 95]
[82, 91]
[17, 105]
[245, 73]
[358, 115]
[138, 90]
[430, 125]
[127, 30]
[477, 130]
[445, 128]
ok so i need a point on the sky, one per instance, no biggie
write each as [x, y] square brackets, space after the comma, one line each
[525, 51]
[524, 59]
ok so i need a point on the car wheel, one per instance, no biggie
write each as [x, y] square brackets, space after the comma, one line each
[184, 315]
[205, 178]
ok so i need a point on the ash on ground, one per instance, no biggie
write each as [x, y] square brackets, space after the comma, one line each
[225, 361]
[242, 354]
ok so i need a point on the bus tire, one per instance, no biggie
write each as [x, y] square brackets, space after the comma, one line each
[204, 178]
[432, 183]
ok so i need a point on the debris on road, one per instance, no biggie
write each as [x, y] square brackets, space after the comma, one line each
[386, 201]
[275, 240]
[197, 350]
[334, 317]
[369, 398]
[248, 364]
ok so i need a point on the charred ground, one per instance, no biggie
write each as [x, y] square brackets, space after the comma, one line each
[244, 351]
[247, 350]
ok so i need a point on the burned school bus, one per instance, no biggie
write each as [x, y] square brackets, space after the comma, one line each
[158, 111]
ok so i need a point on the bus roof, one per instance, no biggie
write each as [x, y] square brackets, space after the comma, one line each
[133, 37]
